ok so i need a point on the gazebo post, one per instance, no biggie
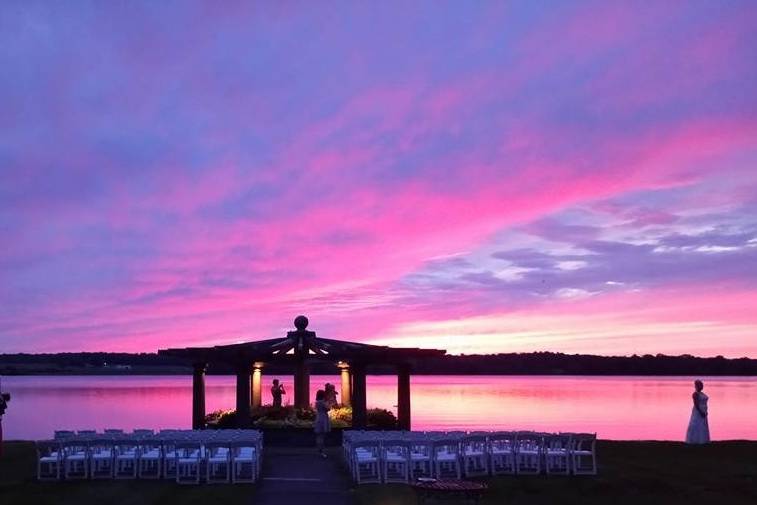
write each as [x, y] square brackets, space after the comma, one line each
[243, 394]
[301, 384]
[346, 384]
[198, 395]
[257, 373]
[359, 408]
[403, 397]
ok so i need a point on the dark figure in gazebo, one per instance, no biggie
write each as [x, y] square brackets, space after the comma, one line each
[277, 390]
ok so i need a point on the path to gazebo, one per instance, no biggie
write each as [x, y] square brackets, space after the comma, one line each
[299, 476]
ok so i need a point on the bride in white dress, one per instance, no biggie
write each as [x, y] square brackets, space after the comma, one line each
[699, 428]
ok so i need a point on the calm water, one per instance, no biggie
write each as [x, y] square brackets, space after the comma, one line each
[621, 408]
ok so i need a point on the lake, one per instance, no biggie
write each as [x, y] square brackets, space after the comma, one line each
[619, 408]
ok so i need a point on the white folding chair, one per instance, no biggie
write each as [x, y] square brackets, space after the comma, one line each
[475, 455]
[583, 453]
[188, 459]
[244, 461]
[101, 456]
[150, 451]
[366, 461]
[49, 460]
[218, 462]
[168, 453]
[446, 452]
[75, 459]
[502, 453]
[126, 456]
[528, 451]
[421, 458]
[395, 460]
[557, 454]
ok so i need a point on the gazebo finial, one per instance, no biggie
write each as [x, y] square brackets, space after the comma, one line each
[301, 322]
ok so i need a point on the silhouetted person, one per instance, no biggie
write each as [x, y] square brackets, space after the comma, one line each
[699, 428]
[322, 422]
[276, 391]
[331, 393]
[4, 397]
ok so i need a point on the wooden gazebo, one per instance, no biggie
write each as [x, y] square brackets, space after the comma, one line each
[298, 349]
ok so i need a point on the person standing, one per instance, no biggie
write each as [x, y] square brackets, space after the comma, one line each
[4, 397]
[277, 390]
[699, 427]
[322, 422]
[3, 406]
[331, 393]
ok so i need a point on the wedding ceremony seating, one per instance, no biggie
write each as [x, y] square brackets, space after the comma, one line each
[395, 457]
[188, 459]
[475, 455]
[404, 456]
[101, 457]
[446, 455]
[49, 462]
[218, 468]
[529, 448]
[364, 459]
[75, 459]
[186, 456]
[583, 454]
[502, 452]
[150, 455]
[557, 453]
[246, 461]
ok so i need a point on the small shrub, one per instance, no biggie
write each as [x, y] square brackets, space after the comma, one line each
[306, 414]
[382, 419]
[275, 413]
[221, 419]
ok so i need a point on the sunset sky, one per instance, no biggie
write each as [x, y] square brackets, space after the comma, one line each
[475, 176]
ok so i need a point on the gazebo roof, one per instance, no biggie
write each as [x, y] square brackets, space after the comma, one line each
[299, 344]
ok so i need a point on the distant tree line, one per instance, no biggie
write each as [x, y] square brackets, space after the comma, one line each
[548, 363]
[535, 363]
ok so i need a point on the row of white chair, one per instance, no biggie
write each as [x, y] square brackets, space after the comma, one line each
[201, 435]
[183, 455]
[406, 456]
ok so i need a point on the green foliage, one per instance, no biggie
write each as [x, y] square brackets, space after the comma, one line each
[382, 419]
[341, 414]
[221, 419]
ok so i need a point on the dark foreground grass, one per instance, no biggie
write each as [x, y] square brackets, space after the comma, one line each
[631, 473]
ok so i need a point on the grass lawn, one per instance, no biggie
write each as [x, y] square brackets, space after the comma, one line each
[633, 473]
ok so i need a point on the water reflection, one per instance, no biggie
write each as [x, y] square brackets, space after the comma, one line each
[623, 408]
